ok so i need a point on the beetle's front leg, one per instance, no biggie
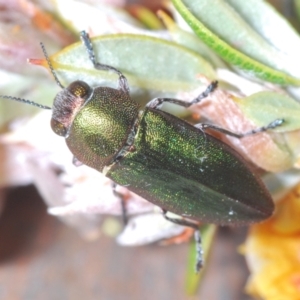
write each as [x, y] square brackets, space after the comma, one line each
[123, 84]
[197, 236]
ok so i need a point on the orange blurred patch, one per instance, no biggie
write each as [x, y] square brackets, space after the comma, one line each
[272, 251]
[185, 236]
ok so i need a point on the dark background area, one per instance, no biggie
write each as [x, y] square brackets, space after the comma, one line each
[41, 258]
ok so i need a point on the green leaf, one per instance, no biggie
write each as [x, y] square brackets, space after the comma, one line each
[145, 16]
[265, 20]
[190, 41]
[297, 7]
[154, 65]
[222, 29]
[264, 107]
[193, 279]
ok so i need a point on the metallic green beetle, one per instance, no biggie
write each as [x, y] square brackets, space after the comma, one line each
[160, 157]
[164, 159]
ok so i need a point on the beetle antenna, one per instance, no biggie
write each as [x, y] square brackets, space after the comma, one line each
[26, 101]
[32, 102]
[50, 65]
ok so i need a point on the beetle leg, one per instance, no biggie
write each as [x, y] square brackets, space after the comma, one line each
[123, 203]
[272, 125]
[197, 237]
[123, 84]
[155, 103]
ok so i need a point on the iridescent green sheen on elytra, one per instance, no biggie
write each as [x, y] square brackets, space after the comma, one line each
[183, 170]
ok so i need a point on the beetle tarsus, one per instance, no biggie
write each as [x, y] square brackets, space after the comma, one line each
[211, 88]
[274, 124]
[197, 236]
[199, 251]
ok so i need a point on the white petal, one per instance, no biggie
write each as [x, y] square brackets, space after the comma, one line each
[148, 228]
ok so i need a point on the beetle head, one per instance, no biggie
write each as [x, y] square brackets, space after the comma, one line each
[66, 105]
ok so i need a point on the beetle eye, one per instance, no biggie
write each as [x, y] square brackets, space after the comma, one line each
[79, 89]
[58, 127]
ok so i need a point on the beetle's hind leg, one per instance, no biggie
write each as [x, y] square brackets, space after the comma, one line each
[197, 236]
[123, 84]
[274, 124]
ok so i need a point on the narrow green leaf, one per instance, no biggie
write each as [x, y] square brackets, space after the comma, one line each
[222, 29]
[266, 21]
[297, 6]
[264, 107]
[145, 16]
[190, 41]
[193, 279]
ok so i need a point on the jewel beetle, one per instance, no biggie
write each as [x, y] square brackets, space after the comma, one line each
[169, 162]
